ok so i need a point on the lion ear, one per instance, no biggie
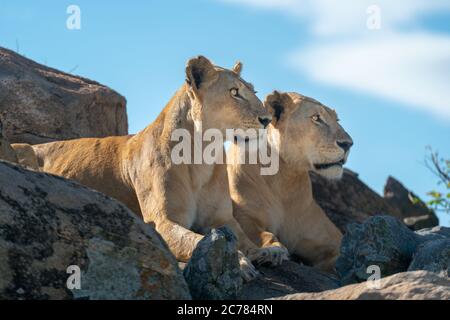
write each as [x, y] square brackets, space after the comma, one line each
[238, 68]
[278, 103]
[199, 70]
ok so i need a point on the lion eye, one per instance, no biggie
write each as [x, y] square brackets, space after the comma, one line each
[234, 92]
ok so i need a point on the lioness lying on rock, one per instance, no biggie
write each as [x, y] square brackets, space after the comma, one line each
[184, 200]
[278, 212]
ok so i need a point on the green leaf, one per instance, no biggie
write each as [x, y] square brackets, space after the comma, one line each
[435, 202]
[435, 194]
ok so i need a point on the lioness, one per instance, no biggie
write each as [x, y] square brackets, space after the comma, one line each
[278, 212]
[185, 200]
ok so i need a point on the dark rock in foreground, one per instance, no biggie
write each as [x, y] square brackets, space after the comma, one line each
[387, 243]
[213, 271]
[432, 256]
[48, 223]
[381, 241]
[288, 278]
[41, 104]
[416, 285]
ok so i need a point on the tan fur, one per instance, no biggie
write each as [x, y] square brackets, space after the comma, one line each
[184, 201]
[279, 212]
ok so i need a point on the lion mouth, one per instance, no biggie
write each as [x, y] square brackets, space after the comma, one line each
[324, 166]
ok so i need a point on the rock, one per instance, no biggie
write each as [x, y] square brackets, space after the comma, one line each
[382, 241]
[349, 200]
[41, 104]
[432, 256]
[288, 278]
[48, 223]
[6, 152]
[417, 285]
[415, 214]
[213, 271]
[435, 233]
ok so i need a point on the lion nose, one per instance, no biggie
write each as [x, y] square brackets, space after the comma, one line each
[265, 121]
[345, 145]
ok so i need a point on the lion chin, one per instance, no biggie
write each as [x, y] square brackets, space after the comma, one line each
[330, 171]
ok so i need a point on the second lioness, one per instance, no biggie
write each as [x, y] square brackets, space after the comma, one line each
[185, 200]
[278, 212]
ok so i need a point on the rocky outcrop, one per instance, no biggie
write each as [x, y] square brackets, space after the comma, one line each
[414, 211]
[48, 224]
[432, 256]
[213, 271]
[289, 278]
[417, 285]
[349, 200]
[385, 242]
[381, 241]
[40, 104]
[6, 152]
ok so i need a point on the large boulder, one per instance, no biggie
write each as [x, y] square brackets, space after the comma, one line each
[41, 104]
[432, 256]
[381, 241]
[50, 226]
[213, 271]
[414, 211]
[387, 243]
[417, 285]
[349, 200]
[289, 278]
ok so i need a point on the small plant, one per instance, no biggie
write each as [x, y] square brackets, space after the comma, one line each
[440, 167]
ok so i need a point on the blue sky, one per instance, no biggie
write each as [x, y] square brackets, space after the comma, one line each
[390, 86]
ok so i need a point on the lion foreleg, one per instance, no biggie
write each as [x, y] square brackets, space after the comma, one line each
[269, 250]
[181, 241]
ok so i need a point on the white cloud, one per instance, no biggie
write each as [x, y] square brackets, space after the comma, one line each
[330, 17]
[413, 69]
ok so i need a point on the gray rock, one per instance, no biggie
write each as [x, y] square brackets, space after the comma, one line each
[213, 271]
[6, 152]
[416, 285]
[40, 104]
[289, 278]
[48, 223]
[383, 241]
[414, 214]
[435, 233]
[432, 256]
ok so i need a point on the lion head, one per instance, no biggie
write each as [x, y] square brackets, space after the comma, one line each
[221, 99]
[307, 134]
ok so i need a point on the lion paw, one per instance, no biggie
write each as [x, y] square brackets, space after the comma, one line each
[272, 255]
[248, 270]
